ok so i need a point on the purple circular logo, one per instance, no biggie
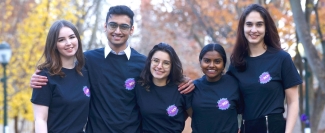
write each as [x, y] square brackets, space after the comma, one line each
[223, 104]
[86, 91]
[172, 110]
[129, 83]
[265, 78]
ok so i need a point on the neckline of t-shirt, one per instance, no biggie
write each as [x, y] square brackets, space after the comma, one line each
[211, 83]
[269, 50]
[261, 55]
[68, 69]
[156, 86]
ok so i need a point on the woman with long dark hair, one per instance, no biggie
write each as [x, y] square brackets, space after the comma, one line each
[266, 74]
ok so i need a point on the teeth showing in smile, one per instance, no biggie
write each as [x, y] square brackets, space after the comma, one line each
[117, 37]
[253, 36]
[211, 70]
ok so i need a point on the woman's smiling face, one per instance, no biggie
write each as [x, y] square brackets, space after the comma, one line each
[212, 65]
[254, 28]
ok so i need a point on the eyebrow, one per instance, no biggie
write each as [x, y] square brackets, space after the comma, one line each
[212, 59]
[256, 22]
[118, 23]
[160, 59]
[69, 36]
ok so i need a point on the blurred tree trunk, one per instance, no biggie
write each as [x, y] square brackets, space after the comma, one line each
[299, 64]
[92, 42]
[319, 94]
[16, 121]
[203, 22]
[315, 63]
[319, 30]
[310, 88]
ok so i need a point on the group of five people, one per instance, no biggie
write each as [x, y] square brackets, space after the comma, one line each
[116, 89]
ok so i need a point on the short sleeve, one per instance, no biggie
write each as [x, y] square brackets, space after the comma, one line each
[43, 95]
[188, 99]
[289, 73]
[240, 104]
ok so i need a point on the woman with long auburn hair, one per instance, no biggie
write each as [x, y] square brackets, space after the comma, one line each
[62, 105]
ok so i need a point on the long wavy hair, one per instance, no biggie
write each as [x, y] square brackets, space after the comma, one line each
[241, 48]
[176, 70]
[53, 61]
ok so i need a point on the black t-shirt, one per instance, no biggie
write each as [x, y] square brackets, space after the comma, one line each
[264, 81]
[68, 101]
[216, 105]
[113, 107]
[162, 108]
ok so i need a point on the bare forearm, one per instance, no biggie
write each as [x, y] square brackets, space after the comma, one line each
[40, 126]
[292, 115]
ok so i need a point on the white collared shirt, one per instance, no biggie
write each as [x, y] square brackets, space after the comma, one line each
[126, 51]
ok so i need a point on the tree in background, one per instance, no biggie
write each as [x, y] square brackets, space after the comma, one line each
[190, 24]
[26, 28]
[307, 22]
[12, 14]
[202, 22]
[187, 25]
[24, 25]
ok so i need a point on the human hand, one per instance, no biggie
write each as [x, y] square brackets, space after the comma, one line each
[187, 86]
[37, 81]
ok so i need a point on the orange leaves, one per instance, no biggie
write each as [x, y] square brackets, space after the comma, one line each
[204, 21]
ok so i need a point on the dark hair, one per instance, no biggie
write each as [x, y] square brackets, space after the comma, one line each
[241, 48]
[214, 47]
[52, 56]
[120, 10]
[176, 70]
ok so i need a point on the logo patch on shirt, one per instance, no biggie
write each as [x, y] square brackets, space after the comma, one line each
[86, 91]
[223, 104]
[172, 110]
[129, 83]
[265, 78]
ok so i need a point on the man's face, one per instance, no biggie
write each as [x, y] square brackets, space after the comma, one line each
[118, 29]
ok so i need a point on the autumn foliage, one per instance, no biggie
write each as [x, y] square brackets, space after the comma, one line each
[187, 25]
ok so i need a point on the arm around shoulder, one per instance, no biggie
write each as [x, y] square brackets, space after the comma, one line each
[187, 86]
[37, 80]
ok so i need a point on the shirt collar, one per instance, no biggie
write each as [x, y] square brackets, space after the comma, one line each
[126, 51]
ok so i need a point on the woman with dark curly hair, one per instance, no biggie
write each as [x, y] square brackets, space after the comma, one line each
[162, 107]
